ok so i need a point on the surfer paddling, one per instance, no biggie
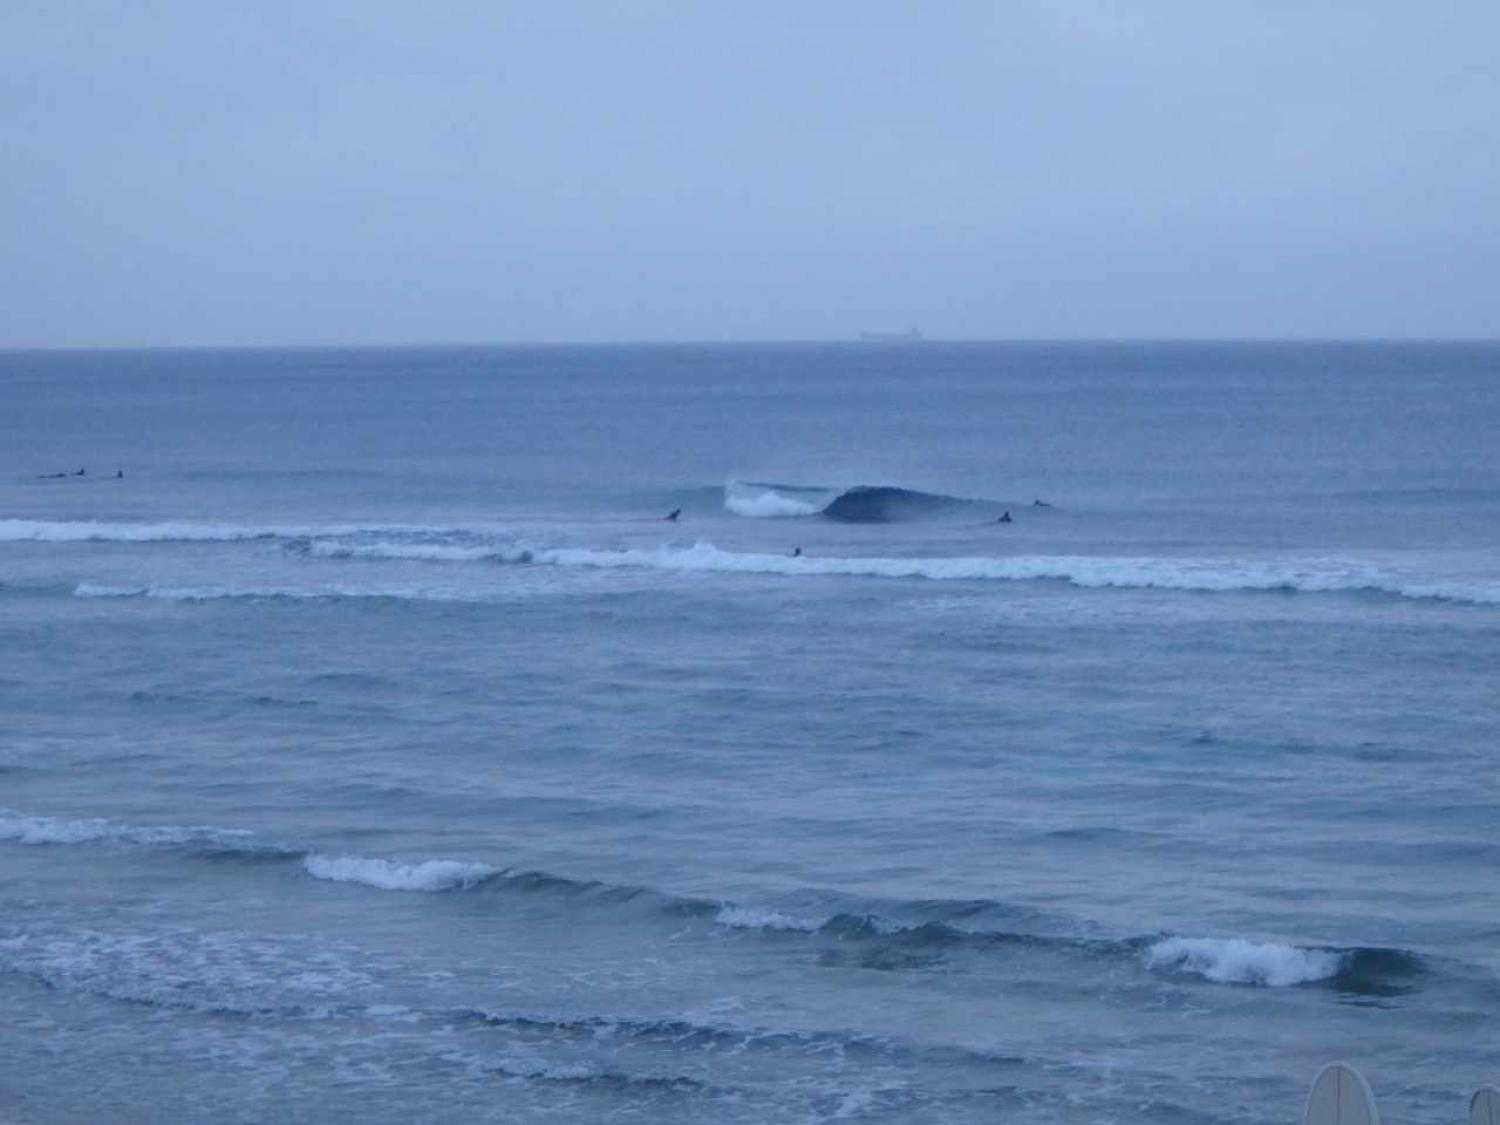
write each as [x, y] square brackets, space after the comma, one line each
[671, 517]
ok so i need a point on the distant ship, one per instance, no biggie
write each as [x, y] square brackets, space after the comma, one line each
[892, 337]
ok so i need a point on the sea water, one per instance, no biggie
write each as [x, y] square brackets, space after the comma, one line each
[374, 749]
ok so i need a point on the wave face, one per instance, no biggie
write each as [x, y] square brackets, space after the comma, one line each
[863, 503]
[883, 504]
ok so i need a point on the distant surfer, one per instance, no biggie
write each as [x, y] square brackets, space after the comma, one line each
[81, 472]
[673, 514]
[796, 552]
[119, 474]
[1004, 519]
[1040, 504]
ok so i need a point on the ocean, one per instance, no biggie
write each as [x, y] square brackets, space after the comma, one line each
[376, 749]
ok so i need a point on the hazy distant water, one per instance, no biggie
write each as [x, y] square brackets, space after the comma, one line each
[374, 749]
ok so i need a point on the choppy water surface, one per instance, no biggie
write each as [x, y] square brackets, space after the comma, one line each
[374, 749]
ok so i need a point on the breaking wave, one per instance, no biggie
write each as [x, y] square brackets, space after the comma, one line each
[432, 875]
[749, 918]
[438, 545]
[1367, 971]
[1207, 575]
[863, 503]
[1236, 961]
[902, 935]
[773, 501]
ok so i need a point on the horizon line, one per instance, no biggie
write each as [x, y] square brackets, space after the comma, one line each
[809, 341]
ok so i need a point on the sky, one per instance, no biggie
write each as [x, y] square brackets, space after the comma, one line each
[174, 172]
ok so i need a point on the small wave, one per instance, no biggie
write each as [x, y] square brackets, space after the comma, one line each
[187, 531]
[431, 875]
[1366, 971]
[162, 593]
[918, 933]
[749, 918]
[264, 593]
[420, 552]
[197, 593]
[615, 1081]
[680, 1034]
[1237, 961]
[93, 531]
[51, 830]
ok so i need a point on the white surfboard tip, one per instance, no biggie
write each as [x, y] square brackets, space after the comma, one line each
[1341, 1096]
[1484, 1106]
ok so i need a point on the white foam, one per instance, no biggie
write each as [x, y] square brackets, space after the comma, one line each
[429, 552]
[215, 593]
[760, 502]
[1237, 961]
[87, 531]
[749, 918]
[198, 593]
[50, 830]
[1089, 571]
[433, 875]
[185, 531]
[1321, 575]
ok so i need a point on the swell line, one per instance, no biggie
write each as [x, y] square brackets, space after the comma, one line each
[926, 927]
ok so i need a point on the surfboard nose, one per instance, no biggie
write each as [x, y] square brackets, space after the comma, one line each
[1341, 1096]
[1484, 1106]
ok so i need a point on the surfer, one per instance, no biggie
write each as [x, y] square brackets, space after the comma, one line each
[81, 472]
[671, 516]
[119, 474]
[796, 552]
[1004, 519]
[1040, 504]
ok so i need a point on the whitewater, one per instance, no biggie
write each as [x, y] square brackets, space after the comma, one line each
[1308, 574]
[994, 732]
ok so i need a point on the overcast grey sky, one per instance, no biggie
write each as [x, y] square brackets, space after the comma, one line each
[319, 171]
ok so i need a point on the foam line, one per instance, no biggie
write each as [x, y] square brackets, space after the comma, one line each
[183, 531]
[432, 875]
[38, 830]
[1328, 575]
